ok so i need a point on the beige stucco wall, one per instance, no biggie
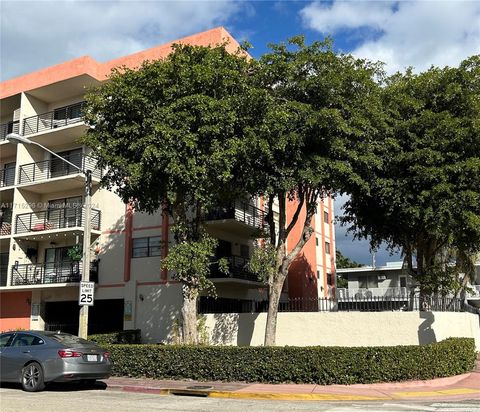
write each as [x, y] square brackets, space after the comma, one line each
[155, 309]
[344, 328]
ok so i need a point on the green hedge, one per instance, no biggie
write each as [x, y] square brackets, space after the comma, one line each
[129, 336]
[320, 365]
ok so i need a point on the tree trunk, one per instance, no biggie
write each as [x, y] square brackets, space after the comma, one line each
[274, 292]
[413, 275]
[189, 315]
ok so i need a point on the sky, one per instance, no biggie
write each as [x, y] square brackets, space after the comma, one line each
[417, 33]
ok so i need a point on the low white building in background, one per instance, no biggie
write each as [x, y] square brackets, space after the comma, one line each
[368, 281]
[389, 282]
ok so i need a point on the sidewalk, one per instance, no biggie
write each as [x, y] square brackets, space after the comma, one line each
[462, 387]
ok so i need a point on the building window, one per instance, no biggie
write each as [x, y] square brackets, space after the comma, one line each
[58, 167]
[325, 217]
[327, 248]
[146, 247]
[64, 213]
[368, 281]
[316, 240]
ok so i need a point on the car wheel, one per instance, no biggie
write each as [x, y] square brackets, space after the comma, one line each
[32, 378]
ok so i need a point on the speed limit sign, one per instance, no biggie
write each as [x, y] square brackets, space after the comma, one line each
[86, 293]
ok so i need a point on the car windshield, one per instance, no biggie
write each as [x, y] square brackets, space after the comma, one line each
[67, 339]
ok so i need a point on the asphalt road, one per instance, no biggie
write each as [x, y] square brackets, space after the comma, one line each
[71, 398]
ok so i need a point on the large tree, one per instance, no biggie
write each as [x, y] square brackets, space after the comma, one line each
[426, 196]
[322, 118]
[168, 134]
[344, 262]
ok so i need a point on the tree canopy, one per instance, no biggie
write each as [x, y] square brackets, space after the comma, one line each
[171, 128]
[168, 134]
[323, 118]
[344, 262]
[426, 196]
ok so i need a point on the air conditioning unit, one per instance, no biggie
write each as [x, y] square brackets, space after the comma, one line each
[382, 277]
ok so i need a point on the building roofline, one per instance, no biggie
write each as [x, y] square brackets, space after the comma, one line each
[100, 71]
[369, 269]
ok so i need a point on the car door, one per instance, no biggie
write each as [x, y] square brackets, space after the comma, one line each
[5, 364]
[17, 354]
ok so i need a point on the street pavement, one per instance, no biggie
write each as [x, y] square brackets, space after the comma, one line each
[76, 400]
[458, 393]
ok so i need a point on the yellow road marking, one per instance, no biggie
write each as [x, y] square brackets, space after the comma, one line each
[458, 391]
[294, 396]
[321, 396]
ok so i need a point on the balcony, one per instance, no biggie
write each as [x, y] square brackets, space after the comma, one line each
[6, 222]
[55, 175]
[237, 270]
[3, 275]
[475, 292]
[36, 224]
[395, 293]
[7, 176]
[50, 273]
[57, 118]
[7, 128]
[242, 218]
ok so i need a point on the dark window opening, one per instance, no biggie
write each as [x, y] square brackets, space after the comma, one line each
[146, 247]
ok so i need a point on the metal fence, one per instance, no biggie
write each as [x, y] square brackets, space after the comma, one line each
[52, 168]
[3, 275]
[49, 169]
[6, 222]
[55, 219]
[7, 128]
[60, 117]
[391, 292]
[366, 304]
[7, 176]
[237, 268]
[48, 273]
[72, 327]
[242, 212]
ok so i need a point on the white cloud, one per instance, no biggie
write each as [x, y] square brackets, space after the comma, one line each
[36, 34]
[407, 33]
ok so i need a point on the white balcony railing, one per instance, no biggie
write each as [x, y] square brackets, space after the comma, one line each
[358, 293]
[475, 291]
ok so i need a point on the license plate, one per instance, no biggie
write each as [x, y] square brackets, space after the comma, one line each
[92, 358]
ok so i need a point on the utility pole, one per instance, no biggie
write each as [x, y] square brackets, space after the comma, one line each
[87, 228]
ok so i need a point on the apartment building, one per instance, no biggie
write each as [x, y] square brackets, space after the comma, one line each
[42, 220]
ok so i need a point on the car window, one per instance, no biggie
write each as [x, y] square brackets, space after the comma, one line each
[68, 339]
[4, 338]
[23, 339]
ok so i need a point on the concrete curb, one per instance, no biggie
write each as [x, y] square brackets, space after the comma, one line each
[327, 397]
[251, 395]
[450, 388]
[432, 383]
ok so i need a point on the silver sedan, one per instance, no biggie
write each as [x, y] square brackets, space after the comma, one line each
[34, 358]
